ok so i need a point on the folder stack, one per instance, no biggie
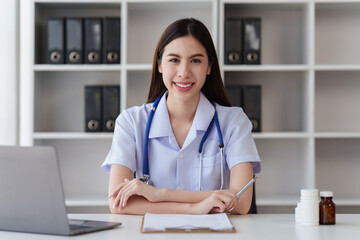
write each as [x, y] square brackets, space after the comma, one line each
[249, 98]
[83, 40]
[102, 106]
[242, 40]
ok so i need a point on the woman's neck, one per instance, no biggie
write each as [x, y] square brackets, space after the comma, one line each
[183, 111]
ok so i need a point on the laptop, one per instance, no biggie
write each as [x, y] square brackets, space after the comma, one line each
[32, 197]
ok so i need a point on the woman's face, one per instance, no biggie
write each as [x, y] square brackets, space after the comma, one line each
[184, 66]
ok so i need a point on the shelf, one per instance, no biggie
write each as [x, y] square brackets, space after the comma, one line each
[281, 135]
[337, 67]
[260, 68]
[337, 168]
[71, 135]
[293, 200]
[80, 67]
[287, 2]
[284, 95]
[139, 67]
[284, 29]
[86, 201]
[337, 135]
[336, 3]
[346, 200]
[309, 76]
[78, 1]
[336, 101]
[335, 40]
[277, 200]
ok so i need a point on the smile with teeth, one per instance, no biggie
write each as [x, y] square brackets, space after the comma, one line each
[184, 85]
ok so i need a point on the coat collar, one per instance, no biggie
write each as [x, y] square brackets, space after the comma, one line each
[161, 127]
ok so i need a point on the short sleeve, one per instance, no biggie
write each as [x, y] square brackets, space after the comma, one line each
[241, 145]
[123, 144]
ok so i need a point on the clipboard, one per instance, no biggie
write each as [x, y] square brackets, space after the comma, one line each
[187, 230]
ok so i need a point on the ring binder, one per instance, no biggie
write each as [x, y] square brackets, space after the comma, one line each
[93, 112]
[93, 40]
[252, 40]
[111, 40]
[110, 107]
[233, 41]
[252, 105]
[55, 40]
[74, 40]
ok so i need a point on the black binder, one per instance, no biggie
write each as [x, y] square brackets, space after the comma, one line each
[111, 49]
[234, 93]
[55, 40]
[233, 41]
[93, 40]
[252, 105]
[110, 107]
[93, 121]
[252, 40]
[74, 41]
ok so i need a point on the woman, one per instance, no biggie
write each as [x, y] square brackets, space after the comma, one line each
[187, 82]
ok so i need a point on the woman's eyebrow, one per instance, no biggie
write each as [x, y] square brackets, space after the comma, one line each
[192, 56]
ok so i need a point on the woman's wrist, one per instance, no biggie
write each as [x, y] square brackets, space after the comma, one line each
[162, 194]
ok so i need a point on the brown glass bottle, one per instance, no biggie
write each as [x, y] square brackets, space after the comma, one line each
[326, 208]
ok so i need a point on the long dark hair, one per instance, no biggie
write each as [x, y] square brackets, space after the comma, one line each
[213, 88]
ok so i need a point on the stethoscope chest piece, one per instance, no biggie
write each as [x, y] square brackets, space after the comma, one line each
[146, 179]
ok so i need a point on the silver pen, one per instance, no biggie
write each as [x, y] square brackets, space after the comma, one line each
[243, 190]
[246, 187]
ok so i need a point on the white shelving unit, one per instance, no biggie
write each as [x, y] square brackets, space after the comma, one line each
[309, 74]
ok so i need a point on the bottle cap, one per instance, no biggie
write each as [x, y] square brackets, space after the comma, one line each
[326, 194]
[309, 192]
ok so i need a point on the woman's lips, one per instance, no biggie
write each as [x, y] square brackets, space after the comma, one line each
[183, 86]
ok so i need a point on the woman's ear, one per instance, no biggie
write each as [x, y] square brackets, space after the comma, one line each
[209, 69]
[159, 67]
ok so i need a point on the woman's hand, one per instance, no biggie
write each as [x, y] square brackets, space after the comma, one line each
[134, 187]
[217, 202]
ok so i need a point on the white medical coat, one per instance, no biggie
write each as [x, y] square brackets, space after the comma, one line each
[173, 167]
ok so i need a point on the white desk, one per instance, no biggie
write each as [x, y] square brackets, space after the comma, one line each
[259, 226]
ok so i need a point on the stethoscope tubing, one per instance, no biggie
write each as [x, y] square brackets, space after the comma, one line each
[146, 174]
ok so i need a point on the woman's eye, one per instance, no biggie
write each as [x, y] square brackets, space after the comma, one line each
[173, 60]
[196, 60]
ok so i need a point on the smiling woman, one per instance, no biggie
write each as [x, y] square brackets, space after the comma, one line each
[194, 142]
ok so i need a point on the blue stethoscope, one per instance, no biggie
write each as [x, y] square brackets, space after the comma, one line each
[146, 175]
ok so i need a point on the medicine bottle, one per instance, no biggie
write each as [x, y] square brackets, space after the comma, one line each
[326, 208]
[309, 202]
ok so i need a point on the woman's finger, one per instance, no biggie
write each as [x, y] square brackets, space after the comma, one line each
[116, 195]
[132, 188]
[118, 188]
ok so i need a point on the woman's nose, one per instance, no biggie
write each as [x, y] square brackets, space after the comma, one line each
[184, 70]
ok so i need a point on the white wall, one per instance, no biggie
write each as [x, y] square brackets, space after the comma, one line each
[9, 72]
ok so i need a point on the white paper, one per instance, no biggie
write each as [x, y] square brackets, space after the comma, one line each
[160, 222]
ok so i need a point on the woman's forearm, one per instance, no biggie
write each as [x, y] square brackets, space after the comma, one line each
[138, 205]
[169, 195]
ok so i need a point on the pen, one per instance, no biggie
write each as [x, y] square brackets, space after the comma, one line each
[246, 187]
[243, 190]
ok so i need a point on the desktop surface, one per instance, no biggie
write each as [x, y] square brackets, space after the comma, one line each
[255, 226]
